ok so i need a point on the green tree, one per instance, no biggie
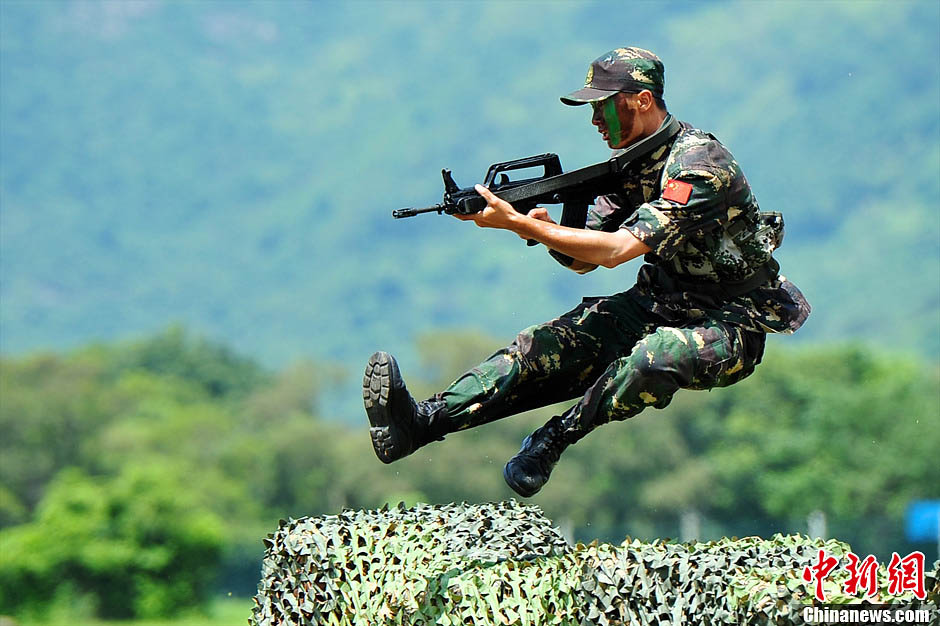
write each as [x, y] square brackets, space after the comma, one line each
[134, 545]
[51, 406]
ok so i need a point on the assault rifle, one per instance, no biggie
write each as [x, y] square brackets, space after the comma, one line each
[575, 190]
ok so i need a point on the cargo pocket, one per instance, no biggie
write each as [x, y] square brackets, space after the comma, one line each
[747, 352]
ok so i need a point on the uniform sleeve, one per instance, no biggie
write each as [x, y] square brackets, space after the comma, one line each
[692, 204]
[607, 214]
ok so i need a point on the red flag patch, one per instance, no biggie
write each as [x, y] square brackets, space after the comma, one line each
[677, 191]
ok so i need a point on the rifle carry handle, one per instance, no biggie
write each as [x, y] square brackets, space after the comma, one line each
[549, 161]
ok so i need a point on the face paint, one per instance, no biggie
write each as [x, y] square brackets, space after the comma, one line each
[612, 121]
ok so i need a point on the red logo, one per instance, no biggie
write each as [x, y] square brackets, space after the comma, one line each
[819, 572]
[905, 574]
[677, 191]
[862, 574]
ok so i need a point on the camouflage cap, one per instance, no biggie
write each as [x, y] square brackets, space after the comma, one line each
[625, 69]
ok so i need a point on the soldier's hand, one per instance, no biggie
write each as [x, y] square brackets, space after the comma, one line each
[541, 213]
[497, 214]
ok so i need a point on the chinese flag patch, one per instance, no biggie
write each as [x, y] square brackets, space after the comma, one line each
[677, 191]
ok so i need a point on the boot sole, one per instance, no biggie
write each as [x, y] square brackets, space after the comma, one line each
[376, 386]
[377, 382]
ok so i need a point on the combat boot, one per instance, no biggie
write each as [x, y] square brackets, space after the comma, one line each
[399, 424]
[529, 470]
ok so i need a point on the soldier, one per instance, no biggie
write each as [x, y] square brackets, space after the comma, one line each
[696, 318]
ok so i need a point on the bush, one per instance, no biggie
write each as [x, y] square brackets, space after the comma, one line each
[135, 545]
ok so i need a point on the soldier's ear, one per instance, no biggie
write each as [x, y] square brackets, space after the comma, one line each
[645, 100]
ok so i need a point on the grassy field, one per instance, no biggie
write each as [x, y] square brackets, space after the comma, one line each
[222, 612]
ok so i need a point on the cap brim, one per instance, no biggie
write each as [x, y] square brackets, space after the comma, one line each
[586, 96]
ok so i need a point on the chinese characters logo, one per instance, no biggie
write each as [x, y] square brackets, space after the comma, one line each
[904, 574]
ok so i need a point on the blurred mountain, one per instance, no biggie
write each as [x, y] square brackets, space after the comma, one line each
[232, 166]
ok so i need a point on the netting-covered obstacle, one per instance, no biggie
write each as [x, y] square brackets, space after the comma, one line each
[504, 563]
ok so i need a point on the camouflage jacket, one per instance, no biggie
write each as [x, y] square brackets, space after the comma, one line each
[691, 204]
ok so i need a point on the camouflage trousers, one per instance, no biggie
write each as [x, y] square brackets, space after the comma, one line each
[613, 353]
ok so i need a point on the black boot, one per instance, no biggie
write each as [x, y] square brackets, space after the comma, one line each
[530, 468]
[399, 424]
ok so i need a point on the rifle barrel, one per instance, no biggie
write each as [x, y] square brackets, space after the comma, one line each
[411, 212]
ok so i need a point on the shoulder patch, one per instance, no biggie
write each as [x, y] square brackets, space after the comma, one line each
[677, 191]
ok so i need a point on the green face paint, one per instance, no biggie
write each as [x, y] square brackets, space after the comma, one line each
[612, 121]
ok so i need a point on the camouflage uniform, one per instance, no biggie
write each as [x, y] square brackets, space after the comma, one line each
[697, 317]
[684, 324]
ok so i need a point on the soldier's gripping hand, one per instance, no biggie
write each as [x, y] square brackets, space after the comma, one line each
[592, 247]
[497, 214]
[541, 213]
[500, 214]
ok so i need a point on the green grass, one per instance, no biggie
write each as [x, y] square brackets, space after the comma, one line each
[223, 611]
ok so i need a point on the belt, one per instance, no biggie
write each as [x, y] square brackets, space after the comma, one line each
[726, 289]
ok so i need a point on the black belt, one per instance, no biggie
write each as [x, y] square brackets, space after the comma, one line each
[726, 289]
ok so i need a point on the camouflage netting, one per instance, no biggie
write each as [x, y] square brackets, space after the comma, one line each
[504, 563]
